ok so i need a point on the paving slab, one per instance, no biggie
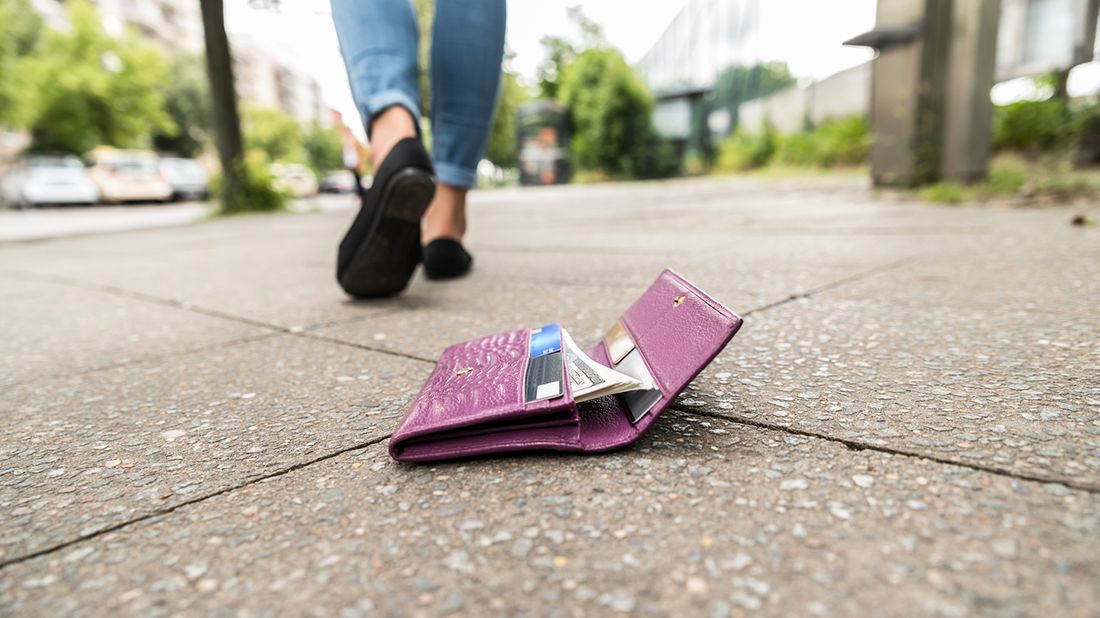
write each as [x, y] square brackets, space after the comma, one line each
[210, 475]
[49, 330]
[985, 357]
[277, 270]
[703, 517]
[99, 449]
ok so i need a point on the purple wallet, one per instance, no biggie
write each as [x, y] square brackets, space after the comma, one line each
[474, 401]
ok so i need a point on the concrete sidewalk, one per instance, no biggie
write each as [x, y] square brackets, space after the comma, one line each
[909, 422]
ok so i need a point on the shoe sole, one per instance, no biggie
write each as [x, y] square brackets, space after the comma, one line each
[388, 255]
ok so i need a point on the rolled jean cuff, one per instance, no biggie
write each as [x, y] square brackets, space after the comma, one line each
[455, 176]
[380, 101]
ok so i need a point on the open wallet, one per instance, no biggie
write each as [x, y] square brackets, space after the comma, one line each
[512, 392]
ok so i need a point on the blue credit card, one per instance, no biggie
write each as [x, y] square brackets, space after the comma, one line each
[545, 340]
[544, 379]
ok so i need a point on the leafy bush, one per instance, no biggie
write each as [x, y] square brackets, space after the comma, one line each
[258, 193]
[1033, 126]
[841, 141]
[610, 111]
[945, 193]
[273, 132]
[324, 148]
[746, 150]
[798, 149]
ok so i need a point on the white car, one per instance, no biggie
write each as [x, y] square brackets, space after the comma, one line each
[294, 179]
[338, 181]
[187, 177]
[128, 176]
[44, 179]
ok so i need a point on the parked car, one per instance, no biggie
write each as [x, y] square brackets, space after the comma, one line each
[187, 177]
[294, 179]
[128, 176]
[47, 179]
[338, 181]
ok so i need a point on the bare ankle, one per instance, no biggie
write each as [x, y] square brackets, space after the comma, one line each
[446, 216]
[386, 129]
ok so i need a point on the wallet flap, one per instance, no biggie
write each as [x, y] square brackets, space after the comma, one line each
[678, 330]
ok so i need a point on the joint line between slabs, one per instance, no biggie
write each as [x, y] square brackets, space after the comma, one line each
[165, 511]
[833, 284]
[304, 332]
[856, 445]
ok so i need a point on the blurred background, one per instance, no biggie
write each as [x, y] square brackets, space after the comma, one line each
[107, 102]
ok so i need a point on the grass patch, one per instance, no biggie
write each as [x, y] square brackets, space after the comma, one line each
[1037, 181]
[946, 193]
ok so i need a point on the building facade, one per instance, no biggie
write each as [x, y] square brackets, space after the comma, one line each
[703, 39]
[176, 26]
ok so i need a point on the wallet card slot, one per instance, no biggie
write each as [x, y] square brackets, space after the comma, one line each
[477, 387]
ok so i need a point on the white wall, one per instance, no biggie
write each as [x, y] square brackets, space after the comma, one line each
[847, 93]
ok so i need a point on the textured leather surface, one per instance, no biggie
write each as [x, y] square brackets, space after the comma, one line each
[677, 328]
[477, 385]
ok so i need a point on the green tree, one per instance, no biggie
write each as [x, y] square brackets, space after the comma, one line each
[92, 89]
[740, 83]
[501, 149]
[610, 111]
[273, 132]
[324, 148]
[187, 101]
[20, 32]
[560, 53]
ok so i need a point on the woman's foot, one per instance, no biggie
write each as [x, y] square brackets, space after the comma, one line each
[443, 227]
[380, 252]
[445, 258]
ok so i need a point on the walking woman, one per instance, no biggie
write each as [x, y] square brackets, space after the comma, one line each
[416, 209]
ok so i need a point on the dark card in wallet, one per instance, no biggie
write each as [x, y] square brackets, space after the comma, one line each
[479, 398]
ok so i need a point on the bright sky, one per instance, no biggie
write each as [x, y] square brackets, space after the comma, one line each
[301, 34]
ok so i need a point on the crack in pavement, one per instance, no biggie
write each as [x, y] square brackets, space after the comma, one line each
[175, 304]
[137, 361]
[304, 332]
[857, 445]
[165, 511]
[833, 284]
[850, 444]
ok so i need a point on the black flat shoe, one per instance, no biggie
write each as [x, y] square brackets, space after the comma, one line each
[445, 258]
[382, 248]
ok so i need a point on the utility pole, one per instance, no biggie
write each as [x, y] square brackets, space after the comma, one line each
[931, 113]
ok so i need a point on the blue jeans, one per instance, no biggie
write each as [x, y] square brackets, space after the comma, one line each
[379, 38]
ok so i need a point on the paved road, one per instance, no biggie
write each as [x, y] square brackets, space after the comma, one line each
[909, 422]
[59, 222]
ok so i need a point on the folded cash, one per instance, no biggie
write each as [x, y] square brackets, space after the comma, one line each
[589, 379]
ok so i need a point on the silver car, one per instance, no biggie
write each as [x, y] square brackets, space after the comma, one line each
[48, 179]
[188, 178]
